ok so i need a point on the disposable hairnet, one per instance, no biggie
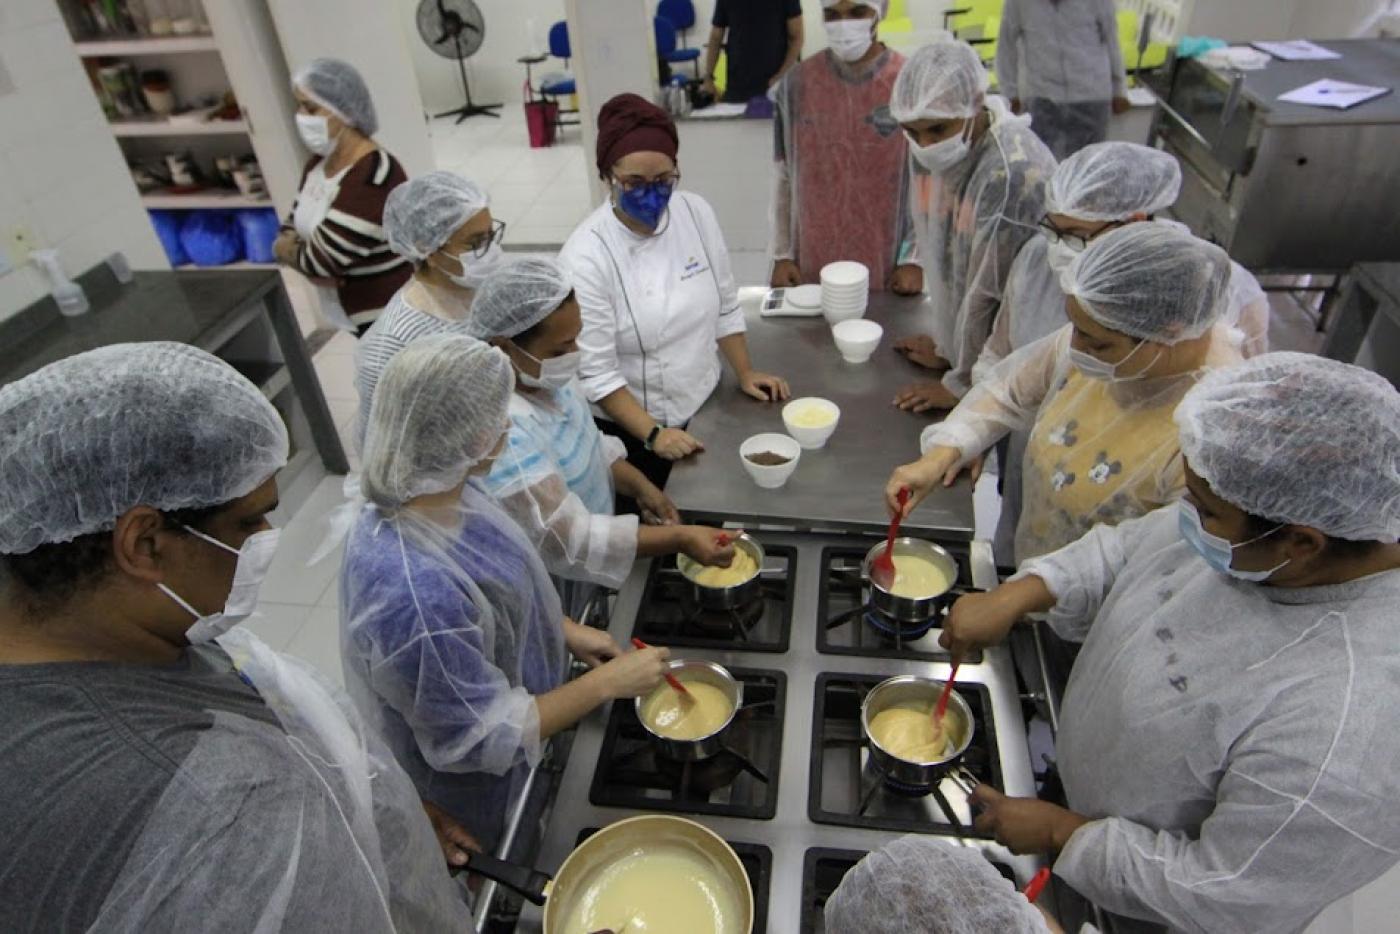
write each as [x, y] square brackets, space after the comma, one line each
[945, 79]
[518, 296]
[302, 823]
[878, 5]
[922, 884]
[1151, 281]
[1300, 439]
[439, 408]
[156, 424]
[338, 87]
[422, 213]
[449, 626]
[1112, 182]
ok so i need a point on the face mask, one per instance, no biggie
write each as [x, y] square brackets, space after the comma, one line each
[646, 204]
[1094, 368]
[850, 39]
[475, 268]
[315, 133]
[941, 156]
[1059, 255]
[555, 373]
[1219, 552]
[254, 559]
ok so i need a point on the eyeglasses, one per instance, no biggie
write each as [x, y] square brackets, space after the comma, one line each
[1073, 240]
[482, 242]
[636, 182]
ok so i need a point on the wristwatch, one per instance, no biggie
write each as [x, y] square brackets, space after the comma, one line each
[652, 435]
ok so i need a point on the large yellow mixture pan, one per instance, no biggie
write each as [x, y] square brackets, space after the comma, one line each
[580, 876]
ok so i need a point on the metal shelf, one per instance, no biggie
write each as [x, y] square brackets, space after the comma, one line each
[163, 127]
[206, 201]
[148, 45]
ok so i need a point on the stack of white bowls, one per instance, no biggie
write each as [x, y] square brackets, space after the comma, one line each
[845, 290]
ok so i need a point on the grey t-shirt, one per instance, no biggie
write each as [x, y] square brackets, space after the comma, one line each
[86, 751]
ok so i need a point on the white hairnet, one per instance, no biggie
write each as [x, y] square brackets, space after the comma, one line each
[944, 79]
[879, 6]
[158, 424]
[1151, 281]
[1299, 439]
[517, 296]
[338, 87]
[922, 884]
[1112, 182]
[439, 408]
[422, 213]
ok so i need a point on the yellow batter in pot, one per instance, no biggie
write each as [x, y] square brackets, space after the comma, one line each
[669, 714]
[916, 578]
[663, 888]
[908, 732]
[740, 569]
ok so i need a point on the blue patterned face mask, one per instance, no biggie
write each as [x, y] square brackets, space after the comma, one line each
[646, 203]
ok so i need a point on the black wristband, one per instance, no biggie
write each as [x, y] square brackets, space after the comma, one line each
[652, 435]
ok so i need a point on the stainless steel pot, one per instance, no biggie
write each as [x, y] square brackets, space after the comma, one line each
[733, 596]
[908, 609]
[691, 750]
[591, 860]
[904, 689]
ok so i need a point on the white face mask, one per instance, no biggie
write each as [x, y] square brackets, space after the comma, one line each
[1094, 368]
[254, 560]
[1059, 255]
[315, 133]
[555, 373]
[1219, 552]
[850, 39]
[941, 156]
[475, 268]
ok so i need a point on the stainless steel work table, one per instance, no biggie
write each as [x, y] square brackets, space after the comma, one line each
[840, 486]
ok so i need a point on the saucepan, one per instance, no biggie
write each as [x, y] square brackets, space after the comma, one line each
[911, 609]
[958, 723]
[730, 597]
[690, 750]
[650, 845]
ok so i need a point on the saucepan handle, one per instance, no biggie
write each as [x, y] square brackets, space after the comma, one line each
[528, 883]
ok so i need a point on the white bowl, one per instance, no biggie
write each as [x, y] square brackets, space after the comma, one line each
[811, 437]
[845, 273]
[770, 477]
[857, 339]
[835, 314]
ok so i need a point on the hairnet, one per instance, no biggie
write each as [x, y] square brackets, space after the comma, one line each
[921, 884]
[422, 213]
[879, 6]
[439, 408]
[1151, 281]
[1299, 439]
[944, 79]
[518, 296]
[157, 424]
[1112, 182]
[338, 87]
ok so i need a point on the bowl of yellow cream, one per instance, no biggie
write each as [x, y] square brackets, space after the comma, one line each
[811, 420]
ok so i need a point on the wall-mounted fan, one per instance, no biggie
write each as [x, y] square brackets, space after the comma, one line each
[456, 29]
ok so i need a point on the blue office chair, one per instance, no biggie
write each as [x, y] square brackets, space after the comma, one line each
[560, 86]
[666, 44]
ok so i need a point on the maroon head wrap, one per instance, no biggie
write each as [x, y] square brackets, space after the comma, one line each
[629, 124]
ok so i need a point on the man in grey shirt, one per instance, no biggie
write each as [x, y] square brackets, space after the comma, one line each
[1060, 59]
[155, 779]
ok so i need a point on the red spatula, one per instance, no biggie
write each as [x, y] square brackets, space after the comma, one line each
[882, 571]
[671, 679]
[1037, 884]
[942, 707]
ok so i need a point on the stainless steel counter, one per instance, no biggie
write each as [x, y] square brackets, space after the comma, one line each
[840, 486]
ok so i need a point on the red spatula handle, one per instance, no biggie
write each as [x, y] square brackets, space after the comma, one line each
[671, 679]
[1037, 884]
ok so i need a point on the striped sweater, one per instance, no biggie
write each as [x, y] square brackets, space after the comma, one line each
[350, 247]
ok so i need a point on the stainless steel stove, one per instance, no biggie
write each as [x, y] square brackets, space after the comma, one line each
[795, 779]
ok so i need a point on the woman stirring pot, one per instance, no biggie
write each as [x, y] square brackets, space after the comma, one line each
[654, 284]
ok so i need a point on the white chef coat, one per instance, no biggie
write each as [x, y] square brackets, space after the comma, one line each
[653, 307]
[314, 202]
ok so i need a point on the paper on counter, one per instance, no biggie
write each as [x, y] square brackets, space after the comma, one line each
[1141, 97]
[1297, 50]
[1338, 95]
[716, 111]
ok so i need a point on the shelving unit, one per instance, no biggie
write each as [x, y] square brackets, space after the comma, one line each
[159, 127]
[149, 45]
[203, 201]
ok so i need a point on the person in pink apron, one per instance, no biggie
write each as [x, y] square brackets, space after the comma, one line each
[842, 173]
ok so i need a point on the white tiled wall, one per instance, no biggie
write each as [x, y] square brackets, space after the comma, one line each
[61, 173]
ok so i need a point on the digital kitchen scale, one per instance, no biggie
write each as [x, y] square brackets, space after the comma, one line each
[802, 301]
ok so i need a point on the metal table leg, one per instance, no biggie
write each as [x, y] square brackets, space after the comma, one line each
[305, 382]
